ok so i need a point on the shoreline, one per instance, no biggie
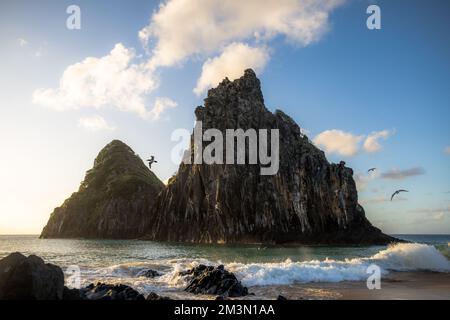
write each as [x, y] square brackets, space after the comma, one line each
[394, 286]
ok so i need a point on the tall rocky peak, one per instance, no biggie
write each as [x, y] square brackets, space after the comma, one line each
[237, 104]
[308, 201]
[113, 201]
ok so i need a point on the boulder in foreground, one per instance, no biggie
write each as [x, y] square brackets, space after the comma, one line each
[215, 281]
[30, 278]
[103, 291]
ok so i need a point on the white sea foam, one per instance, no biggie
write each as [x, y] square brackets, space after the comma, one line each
[411, 257]
[399, 257]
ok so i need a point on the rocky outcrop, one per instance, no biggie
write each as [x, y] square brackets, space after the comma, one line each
[29, 278]
[113, 201]
[309, 200]
[103, 291]
[213, 280]
[154, 296]
[148, 273]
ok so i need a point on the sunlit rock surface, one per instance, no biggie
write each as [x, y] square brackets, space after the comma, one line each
[308, 201]
[113, 201]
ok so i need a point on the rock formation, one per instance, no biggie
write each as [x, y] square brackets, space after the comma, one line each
[103, 291]
[152, 296]
[213, 280]
[148, 273]
[29, 278]
[308, 201]
[113, 201]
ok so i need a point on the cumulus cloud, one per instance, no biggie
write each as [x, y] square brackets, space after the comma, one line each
[94, 123]
[111, 80]
[347, 144]
[362, 180]
[234, 35]
[22, 42]
[397, 174]
[182, 28]
[372, 144]
[234, 59]
[438, 216]
[339, 142]
[431, 215]
[161, 104]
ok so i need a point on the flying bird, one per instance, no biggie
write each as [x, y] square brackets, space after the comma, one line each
[397, 192]
[151, 161]
[371, 169]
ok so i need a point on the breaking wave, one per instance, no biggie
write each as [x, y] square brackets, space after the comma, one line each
[398, 257]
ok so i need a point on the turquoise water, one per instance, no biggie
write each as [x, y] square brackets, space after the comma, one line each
[119, 261]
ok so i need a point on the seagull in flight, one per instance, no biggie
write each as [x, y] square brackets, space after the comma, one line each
[397, 192]
[371, 169]
[151, 160]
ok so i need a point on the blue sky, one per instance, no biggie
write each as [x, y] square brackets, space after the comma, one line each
[340, 81]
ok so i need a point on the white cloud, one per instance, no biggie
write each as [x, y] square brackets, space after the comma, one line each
[234, 59]
[94, 123]
[439, 216]
[22, 42]
[347, 144]
[182, 28]
[39, 52]
[235, 33]
[161, 104]
[397, 174]
[377, 199]
[447, 150]
[339, 142]
[97, 83]
[362, 180]
[372, 144]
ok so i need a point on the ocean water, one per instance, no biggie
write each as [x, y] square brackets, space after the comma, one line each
[120, 261]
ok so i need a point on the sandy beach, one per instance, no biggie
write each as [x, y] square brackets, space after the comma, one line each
[394, 286]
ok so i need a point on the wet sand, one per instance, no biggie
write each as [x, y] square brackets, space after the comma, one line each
[394, 286]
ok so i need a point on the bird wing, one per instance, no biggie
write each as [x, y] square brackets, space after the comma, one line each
[394, 194]
[397, 192]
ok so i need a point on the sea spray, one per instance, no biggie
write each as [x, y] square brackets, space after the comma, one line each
[398, 257]
[412, 257]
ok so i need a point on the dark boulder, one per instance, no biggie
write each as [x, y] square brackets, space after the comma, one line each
[154, 296]
[30, 278]
[103, 291]
[148, 273]
[213, 280]
[73, 294]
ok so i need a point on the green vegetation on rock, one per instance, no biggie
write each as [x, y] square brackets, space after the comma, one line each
[113, 201]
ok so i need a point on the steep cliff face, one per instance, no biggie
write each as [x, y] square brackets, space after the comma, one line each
[113, 201]
[308, 201]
